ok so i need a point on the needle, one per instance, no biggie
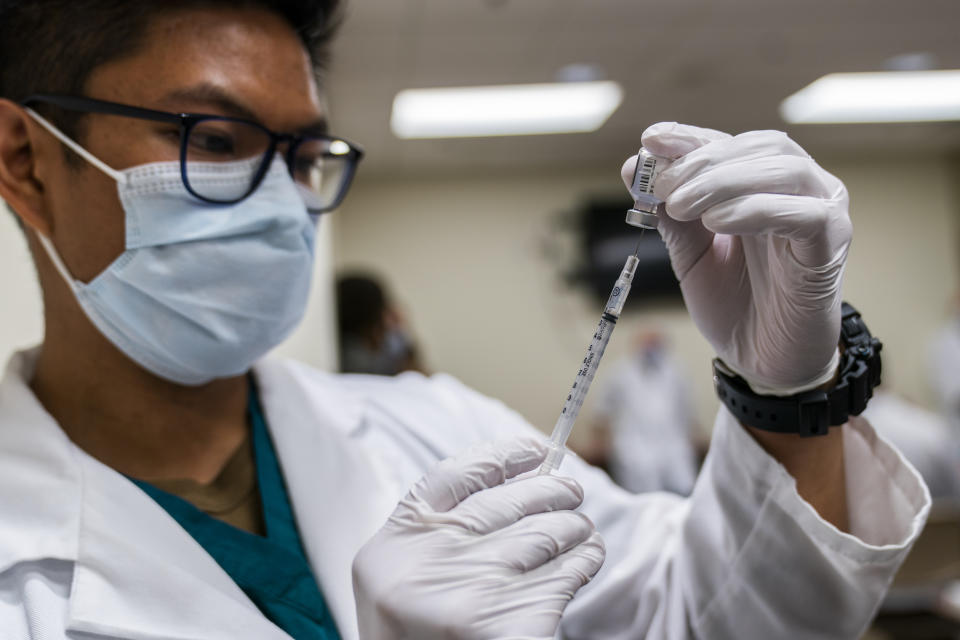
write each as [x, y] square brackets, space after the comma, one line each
[636, 252]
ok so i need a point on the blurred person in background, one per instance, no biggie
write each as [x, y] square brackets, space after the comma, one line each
[372, 334]
[168, 161]
[944, 372]
[645, 415]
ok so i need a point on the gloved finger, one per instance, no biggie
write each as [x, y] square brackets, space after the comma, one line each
[478, 468]
[818, 229]
[672, 140]
[548, 588]
[786, 175]
[742, 148]
[569, 571]
[493, 509]
[687, 242]
[537, 539]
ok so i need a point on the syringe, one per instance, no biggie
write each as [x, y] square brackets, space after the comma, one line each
[571, 408]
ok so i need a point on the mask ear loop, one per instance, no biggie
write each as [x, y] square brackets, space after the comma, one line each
[57, 261]
[118, 176]
[92, 159]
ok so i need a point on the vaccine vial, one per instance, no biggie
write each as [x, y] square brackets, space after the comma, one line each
[644, 211]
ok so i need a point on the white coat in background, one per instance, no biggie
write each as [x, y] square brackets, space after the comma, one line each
[945, 371]
[646, 406]
[82, 549]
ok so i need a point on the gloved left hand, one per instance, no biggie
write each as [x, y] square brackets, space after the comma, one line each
[469, 556]
[758, 235]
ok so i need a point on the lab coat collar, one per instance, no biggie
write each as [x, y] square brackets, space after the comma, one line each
[137, 573]
[39, 480]
[340, 496]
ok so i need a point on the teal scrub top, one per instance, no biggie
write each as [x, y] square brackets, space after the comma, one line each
[273, 570]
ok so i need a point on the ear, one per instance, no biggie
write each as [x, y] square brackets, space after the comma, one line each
[19, 185]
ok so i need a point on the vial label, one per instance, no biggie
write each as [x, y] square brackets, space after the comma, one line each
[643, 182]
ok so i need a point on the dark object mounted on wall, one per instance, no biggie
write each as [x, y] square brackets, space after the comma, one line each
[605, 241]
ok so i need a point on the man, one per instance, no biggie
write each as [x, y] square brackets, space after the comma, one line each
[173, 252]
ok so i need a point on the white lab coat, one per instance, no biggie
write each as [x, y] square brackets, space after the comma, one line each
[84, 553]
[945, 371]
[647, 408]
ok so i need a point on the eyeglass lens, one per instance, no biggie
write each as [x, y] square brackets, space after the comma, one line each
[225, 157]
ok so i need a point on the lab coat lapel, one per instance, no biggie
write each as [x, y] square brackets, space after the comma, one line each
[138, 574]
[339, 495]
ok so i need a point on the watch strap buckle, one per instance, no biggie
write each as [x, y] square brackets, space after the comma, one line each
[813, 414]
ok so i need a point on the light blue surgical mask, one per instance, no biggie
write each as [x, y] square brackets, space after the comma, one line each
[202, 290]
[394, 353]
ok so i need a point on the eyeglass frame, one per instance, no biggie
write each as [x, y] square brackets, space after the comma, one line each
[188, 121]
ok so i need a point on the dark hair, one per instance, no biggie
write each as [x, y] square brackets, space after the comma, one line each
[52, 46]
[361, 303]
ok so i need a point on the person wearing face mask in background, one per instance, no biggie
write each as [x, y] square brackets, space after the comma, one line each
[944, 367]
[644, 426]
[372, 334]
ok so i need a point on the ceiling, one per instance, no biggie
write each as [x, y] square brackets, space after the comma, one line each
[725, 64]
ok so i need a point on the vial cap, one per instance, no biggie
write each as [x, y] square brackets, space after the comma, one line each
[644, 219]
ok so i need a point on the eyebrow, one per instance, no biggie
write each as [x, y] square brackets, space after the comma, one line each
[229, 105]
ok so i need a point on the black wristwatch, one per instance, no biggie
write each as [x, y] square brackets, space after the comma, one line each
[811, 413]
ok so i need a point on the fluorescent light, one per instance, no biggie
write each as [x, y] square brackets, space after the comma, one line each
[504, 110]
[892, 96]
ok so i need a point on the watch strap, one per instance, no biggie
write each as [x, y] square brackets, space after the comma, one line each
[812, 412]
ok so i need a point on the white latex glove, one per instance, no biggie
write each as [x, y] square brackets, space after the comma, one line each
[758, 236]
[466, 555]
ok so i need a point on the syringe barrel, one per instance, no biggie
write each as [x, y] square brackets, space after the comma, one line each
[645, 204]
[588, 368]
[581, 385]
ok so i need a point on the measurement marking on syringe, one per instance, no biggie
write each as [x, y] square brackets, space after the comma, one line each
[585, 374]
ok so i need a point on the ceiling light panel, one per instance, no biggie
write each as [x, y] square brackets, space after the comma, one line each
[894, 96]
[504, 110]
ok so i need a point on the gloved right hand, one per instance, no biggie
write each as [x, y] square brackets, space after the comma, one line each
[467, 555]
[758, 235]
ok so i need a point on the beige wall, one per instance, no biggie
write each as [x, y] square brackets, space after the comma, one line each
[465, 256]
[903, 270]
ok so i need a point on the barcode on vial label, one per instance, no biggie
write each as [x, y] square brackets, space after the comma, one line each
[644, 175]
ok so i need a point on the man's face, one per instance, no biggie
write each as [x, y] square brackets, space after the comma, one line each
[241, 63]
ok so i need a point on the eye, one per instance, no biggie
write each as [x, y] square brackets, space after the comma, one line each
[209, 142]
[171, 135]
[224, 140]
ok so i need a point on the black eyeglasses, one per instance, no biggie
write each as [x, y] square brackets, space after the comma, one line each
[323, 165]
